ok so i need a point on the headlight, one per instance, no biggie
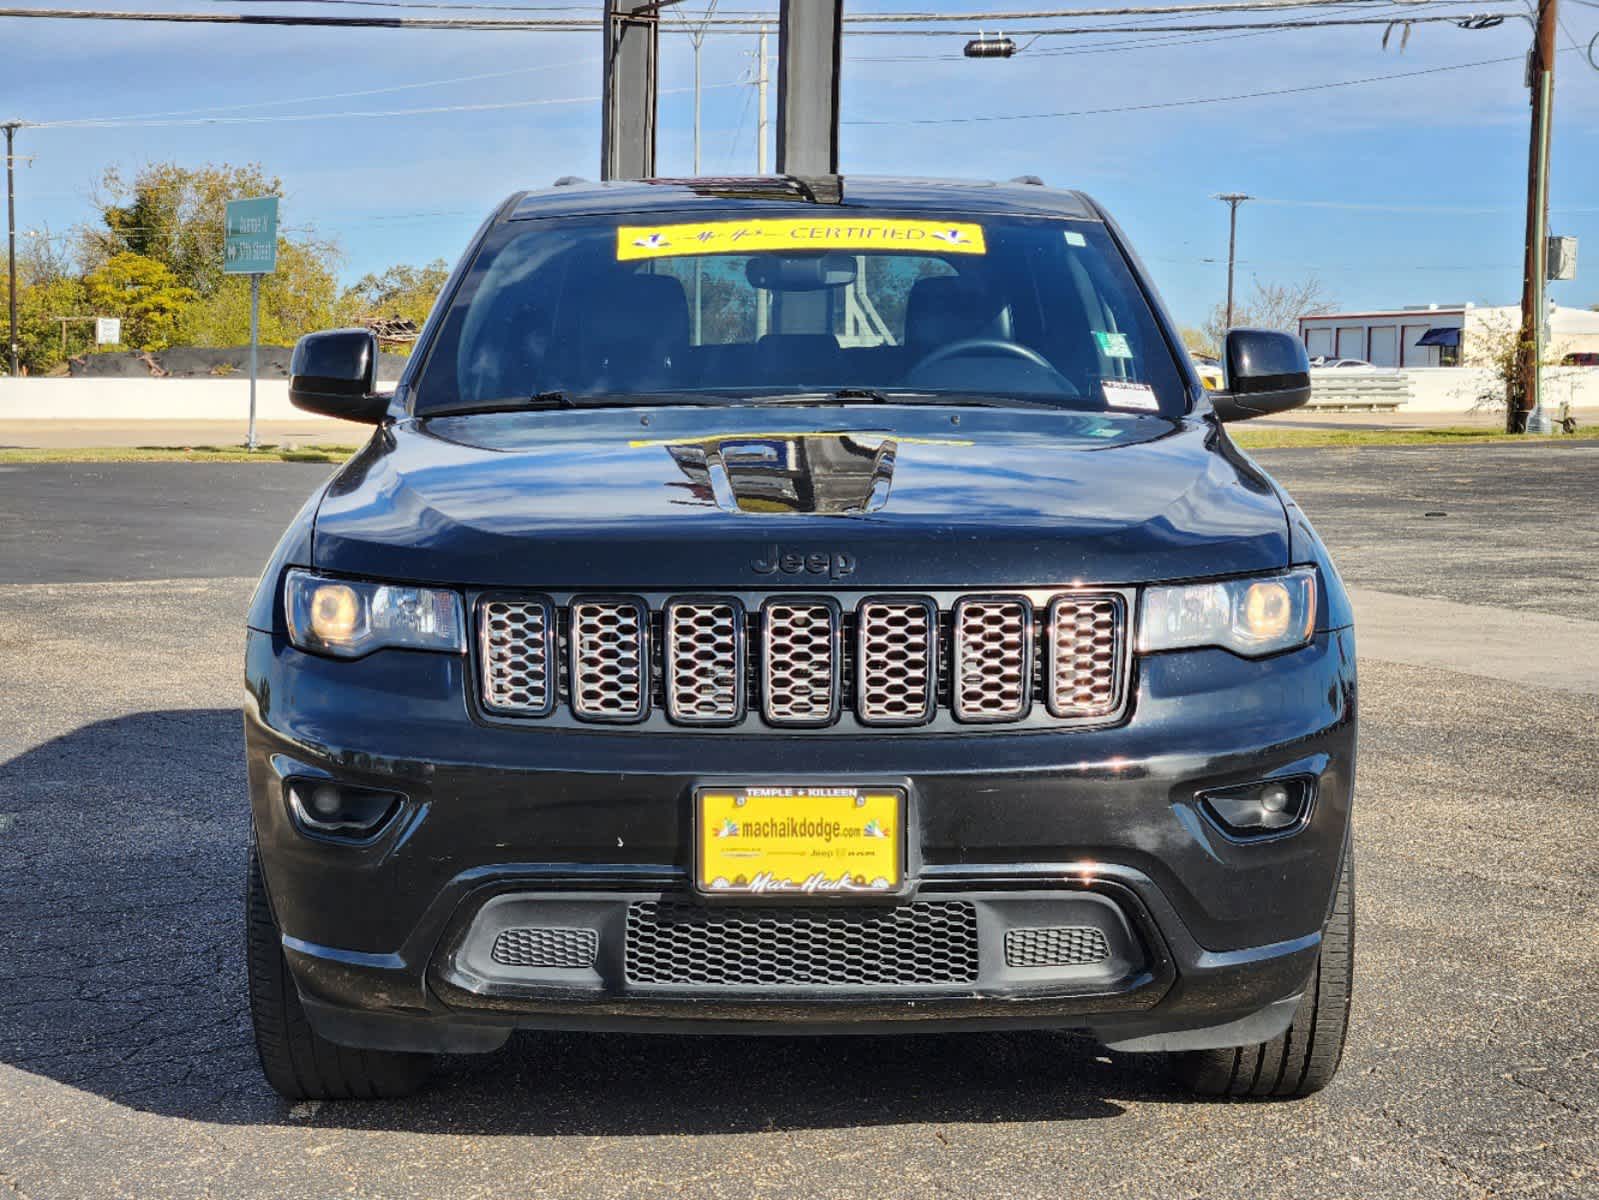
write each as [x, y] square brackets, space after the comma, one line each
[348, 618]
[1252, 617]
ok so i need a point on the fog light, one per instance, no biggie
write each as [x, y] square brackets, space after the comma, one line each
[334, 810]
[1259, 809]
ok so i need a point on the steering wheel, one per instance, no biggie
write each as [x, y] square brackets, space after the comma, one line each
[975, 347]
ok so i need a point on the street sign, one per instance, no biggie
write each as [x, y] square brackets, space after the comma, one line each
[251, 237]
[250, 247]
[107, 331]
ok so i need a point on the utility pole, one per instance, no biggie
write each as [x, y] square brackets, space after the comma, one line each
[697, 37]
[1524, 411]
[11, 128]
[1232, 200]
[760, 124]
[763, 312]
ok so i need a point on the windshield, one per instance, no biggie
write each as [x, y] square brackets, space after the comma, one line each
[735, 309]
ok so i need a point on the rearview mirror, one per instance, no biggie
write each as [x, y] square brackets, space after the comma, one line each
[800, 272]
[335, 374]
[1267, 372]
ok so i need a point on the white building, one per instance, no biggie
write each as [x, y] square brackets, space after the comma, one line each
[1438, 335]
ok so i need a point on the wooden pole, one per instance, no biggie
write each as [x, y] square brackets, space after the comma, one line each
[1526, 397]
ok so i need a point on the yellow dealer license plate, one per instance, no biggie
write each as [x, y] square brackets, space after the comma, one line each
[800, 840]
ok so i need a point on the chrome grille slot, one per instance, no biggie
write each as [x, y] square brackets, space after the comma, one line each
[800, 661]
[993, 658]
[895, 661]
[545, 946]
[922, 944]
[1084, 676]
[517, 641]
[610, 659]
[704, 642]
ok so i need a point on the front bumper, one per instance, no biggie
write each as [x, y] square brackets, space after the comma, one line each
[1212, 940]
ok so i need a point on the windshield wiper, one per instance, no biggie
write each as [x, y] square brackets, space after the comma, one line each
[868, 395]
[843, 395]
[538, 402]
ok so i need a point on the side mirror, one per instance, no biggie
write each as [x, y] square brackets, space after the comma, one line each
[334, 374]
[1267, 372]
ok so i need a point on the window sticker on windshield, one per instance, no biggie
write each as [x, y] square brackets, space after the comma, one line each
[1113, 345]
[1139, 397]
[1073, 238]
[798, 233]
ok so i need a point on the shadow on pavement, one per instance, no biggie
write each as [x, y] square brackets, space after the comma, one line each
[121, 974]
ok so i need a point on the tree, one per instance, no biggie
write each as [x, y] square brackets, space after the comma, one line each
[171, 214]
[402, 291]
[1197, 341]
[40, 307]
[300, 297]
[144, 293]
[1495, 345]
[1271, 306]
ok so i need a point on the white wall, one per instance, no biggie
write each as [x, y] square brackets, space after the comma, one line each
[1455, 389]
[148, 400]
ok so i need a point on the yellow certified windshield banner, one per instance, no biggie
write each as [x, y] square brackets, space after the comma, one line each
[798, 233]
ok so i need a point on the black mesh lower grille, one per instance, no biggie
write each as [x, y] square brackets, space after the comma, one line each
[915, 945]
[1055, 946]
[545, 946]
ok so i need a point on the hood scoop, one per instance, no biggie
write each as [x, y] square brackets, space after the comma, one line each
[832, 474]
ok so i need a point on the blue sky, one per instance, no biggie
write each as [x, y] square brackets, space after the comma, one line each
[1404, 191]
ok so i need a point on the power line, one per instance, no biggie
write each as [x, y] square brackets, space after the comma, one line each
[120, 123]
[865, 25]
[736, 17]
[1162, 33]
[399, 87]
[1094, 112]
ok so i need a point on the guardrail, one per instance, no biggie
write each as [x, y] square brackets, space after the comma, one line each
[1355, 389]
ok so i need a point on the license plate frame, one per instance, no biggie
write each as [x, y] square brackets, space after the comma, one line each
[811, 854]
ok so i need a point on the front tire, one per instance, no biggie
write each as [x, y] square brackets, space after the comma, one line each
[1303, 1059]
[298, 1063]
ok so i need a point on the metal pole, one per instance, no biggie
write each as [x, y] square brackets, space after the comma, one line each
[632, 52]
[1525, 413]
[1232, 257]
[1232, 200]
[11, 239]
[698, 38]
[763, 318]
[255, 330]
[761, 124]
[810, 53]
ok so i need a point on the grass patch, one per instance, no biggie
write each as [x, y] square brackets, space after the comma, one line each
[217, 454]
[1450, 435]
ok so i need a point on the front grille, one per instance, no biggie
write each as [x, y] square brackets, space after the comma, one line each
[925, 944]
[807, 662]
[517, 642]
[705, 661]
[610, 659]
[895, 661]
[543, 946]
[993, 658]
[1055, 946]
[1085, 655]
[799, 652]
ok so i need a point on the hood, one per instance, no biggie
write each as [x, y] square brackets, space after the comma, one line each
[873, 497]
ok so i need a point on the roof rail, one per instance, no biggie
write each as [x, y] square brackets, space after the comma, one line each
[1032, 180]
[568, 180]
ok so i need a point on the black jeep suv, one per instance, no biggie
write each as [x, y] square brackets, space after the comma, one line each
[799, 606]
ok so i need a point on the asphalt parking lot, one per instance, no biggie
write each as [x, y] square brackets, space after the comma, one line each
[126, 1066]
